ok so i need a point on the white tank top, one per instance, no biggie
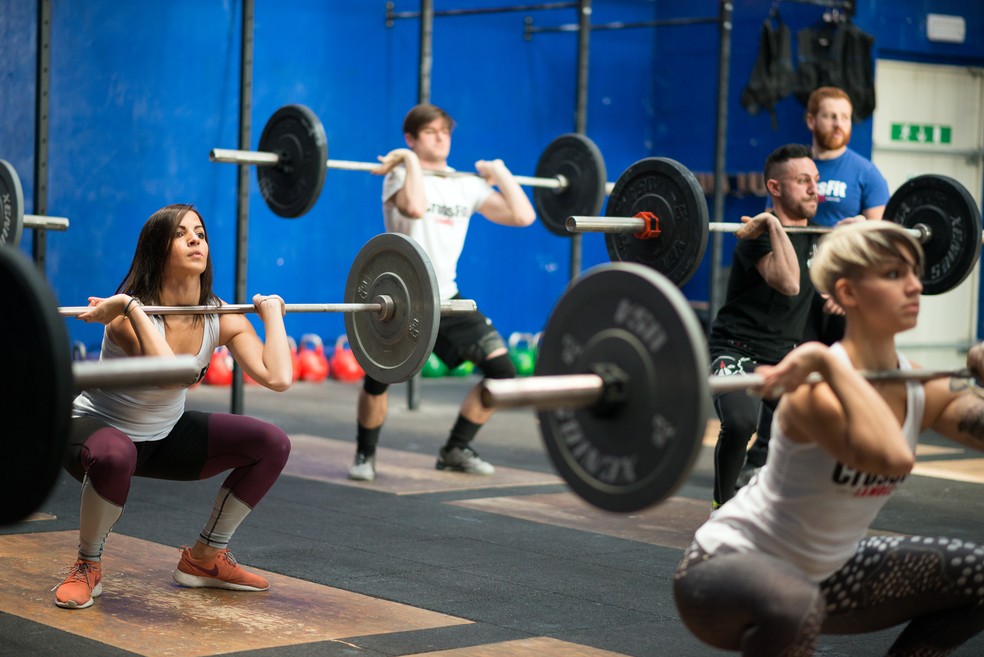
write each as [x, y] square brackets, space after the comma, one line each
[441, 231]
[803, 506]
[145, 412]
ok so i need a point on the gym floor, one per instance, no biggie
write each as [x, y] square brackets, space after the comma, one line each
[417, 562]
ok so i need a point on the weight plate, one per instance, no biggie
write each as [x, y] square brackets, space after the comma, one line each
[949, 211]
[291, 187]
[639, 452]
[671, 192]
[11, 205]
[579, 161]
[393, 350]
[36, 405]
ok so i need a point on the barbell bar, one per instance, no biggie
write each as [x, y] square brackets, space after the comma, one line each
[657, 215]
[12, 217]
[392, 308]
[644, 225]
[384, 306]
[292, 162]
[641, 224]
[41, 382]
[622, 386]
[232, 156]
[589, 390]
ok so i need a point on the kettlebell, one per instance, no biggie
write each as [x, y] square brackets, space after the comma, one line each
[434, 368]
[464, 369]
[219, 368]
[521, 352]
[344, 367]
[312, 365]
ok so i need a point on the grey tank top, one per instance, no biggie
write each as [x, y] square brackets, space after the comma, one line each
[147, 412]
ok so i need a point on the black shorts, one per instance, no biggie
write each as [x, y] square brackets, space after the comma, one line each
[469, 336]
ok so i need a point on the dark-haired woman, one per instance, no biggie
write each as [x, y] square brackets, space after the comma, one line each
[146, 431]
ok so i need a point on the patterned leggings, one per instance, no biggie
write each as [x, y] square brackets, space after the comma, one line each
[760, 605]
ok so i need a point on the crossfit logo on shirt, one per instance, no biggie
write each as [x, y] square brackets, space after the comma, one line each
[831, 191]
[446, 214]
[864, 484]
[728, 365]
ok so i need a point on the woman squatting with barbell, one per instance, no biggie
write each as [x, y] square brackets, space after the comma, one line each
[788, 558]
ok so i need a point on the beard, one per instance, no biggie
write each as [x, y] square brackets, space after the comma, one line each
[805, 208]
[831, 141]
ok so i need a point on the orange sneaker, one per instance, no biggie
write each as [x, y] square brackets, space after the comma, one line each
[218, 572]
[84, 582]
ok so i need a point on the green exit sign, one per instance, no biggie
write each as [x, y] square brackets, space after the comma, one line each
[921, 133]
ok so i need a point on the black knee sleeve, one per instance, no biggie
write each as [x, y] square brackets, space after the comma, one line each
[499, 367]
[374, 387]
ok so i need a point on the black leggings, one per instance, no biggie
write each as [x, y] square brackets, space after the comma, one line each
[761, 605]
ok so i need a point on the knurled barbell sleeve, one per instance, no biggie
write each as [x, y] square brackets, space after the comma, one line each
[136, 371]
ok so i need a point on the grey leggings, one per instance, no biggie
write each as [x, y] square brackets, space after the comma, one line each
[761, 605]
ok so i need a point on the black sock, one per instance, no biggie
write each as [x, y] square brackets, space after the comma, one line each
[462, 433]
[367, 439]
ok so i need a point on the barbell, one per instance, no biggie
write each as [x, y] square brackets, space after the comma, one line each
[657, 216]
[622, 386]
[392, 314]
[391, 324]
[12, 217]
[292, 162]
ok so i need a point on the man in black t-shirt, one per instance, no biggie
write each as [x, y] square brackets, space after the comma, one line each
[766, 307]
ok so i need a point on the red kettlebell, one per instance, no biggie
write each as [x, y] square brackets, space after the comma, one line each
[219, 371]
[312, 365]
[344, 367]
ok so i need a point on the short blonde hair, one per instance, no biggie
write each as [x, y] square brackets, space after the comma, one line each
[848, 250]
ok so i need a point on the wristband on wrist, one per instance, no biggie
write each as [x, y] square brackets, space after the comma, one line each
[126, 309]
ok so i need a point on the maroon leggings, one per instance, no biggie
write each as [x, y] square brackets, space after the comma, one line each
[200, 445]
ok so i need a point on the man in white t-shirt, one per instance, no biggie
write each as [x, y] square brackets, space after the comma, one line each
[435, 210]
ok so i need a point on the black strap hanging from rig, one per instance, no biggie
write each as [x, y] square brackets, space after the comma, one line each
[773, 77]
[837, 53]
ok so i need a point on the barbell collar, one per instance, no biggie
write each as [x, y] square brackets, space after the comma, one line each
[137, 371]
[45, 222]
[452, 307]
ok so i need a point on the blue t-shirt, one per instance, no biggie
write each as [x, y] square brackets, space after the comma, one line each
[849, 184]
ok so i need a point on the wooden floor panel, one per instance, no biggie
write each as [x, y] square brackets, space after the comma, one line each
[524, 648]
[397, 471]
[143, 611]
[670, 524]
[969, 470]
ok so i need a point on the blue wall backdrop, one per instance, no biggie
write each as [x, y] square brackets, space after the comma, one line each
[140, 92]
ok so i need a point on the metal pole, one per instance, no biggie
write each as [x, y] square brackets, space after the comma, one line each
[41, 106]
[423, 96]
[581, 106]
[242, 196]
[426, 52]
[720, 157]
